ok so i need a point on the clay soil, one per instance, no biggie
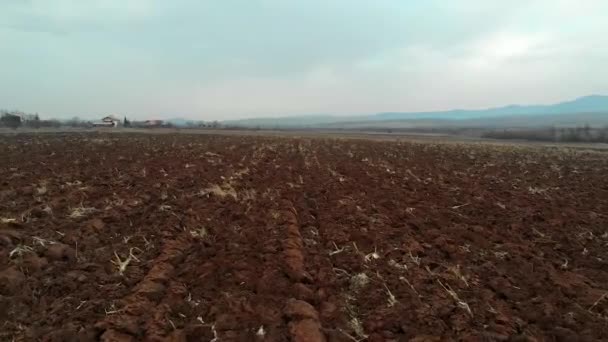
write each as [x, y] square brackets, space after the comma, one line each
[233, 238]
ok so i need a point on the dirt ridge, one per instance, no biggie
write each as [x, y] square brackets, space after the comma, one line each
[304, 322]
[143, 308]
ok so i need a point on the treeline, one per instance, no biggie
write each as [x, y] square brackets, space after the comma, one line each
[15, 119]
[552, 134]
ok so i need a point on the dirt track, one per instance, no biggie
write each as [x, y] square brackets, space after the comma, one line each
[265, 238]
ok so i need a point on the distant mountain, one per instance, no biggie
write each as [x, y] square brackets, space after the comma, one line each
[507, 121]
[291, 121]
[587, 104]
[595, 108]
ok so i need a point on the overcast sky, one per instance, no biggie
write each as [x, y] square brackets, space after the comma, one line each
[226, 59]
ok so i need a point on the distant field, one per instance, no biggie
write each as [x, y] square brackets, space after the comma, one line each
[239, 237]
[371, 135]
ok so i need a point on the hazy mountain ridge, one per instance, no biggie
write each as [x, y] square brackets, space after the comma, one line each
[591, 110]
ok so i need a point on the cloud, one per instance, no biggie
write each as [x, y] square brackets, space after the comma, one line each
[224, 59]
[68, 16]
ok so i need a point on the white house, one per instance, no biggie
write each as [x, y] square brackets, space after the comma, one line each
[108, 121]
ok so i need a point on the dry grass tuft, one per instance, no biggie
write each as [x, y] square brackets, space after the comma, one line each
[462, 304]
[81, 211]
[455, 270]
[201, 233]
[43, 242]
[397, 265]
[355, 325]
[358, 282]
[122, 264]
[404, 279]
[337, 250]
[20, 250]
[222, 191]
[391, 297]
[372, 256]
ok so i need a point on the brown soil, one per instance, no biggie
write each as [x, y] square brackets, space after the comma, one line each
[236, 238]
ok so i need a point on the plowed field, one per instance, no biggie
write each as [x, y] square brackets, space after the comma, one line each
[235, 238]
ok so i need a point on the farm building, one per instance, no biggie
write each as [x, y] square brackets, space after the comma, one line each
[108, 121]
